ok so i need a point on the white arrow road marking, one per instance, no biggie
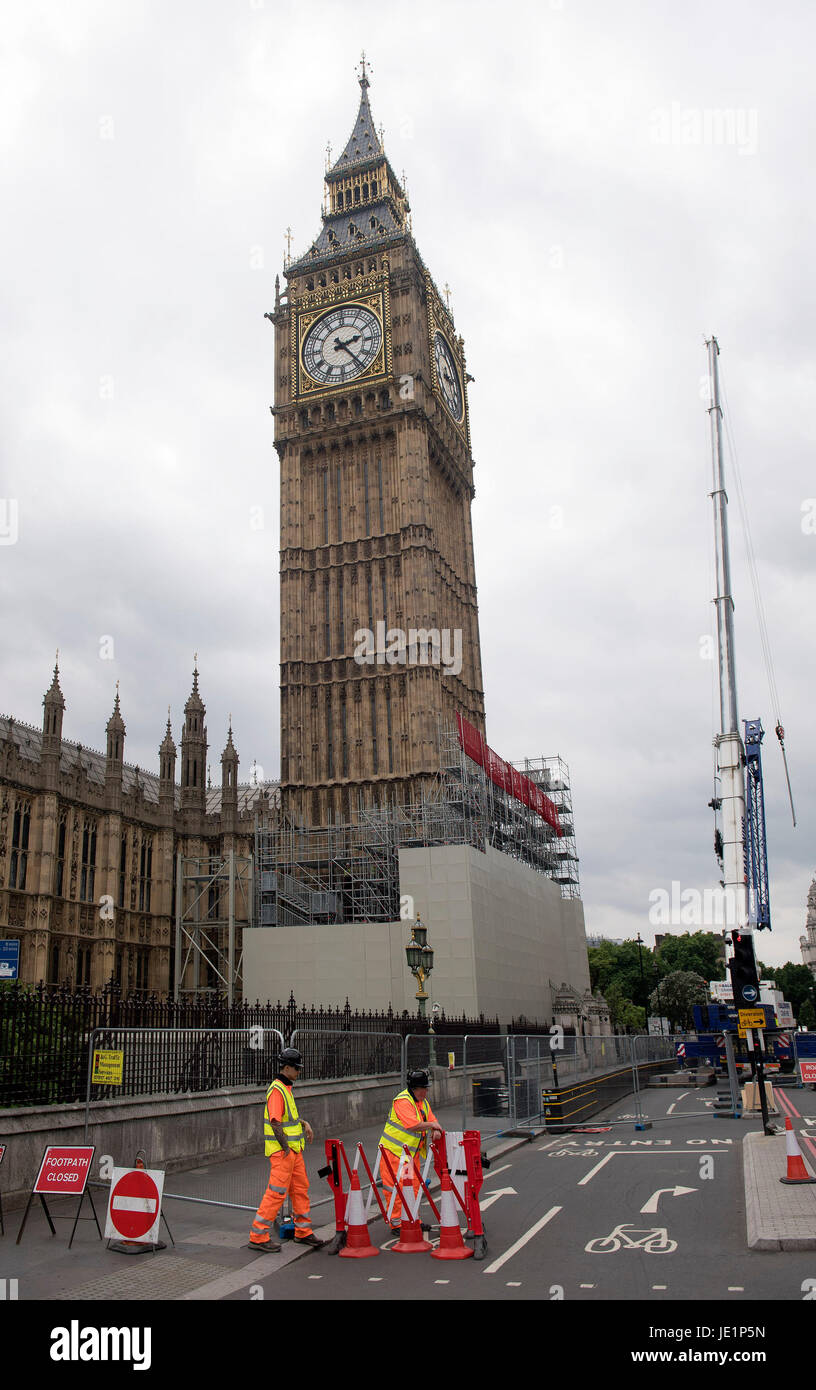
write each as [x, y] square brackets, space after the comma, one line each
[528, 1235]
[639, 1153]
[494, 1197]
[651, 1205]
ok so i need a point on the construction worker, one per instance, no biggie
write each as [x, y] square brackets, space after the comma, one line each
[409, 1122]
[285, 1136]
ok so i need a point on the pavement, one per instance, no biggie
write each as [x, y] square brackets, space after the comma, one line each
[208, 1258]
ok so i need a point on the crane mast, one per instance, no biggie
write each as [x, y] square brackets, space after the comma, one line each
[728, 743]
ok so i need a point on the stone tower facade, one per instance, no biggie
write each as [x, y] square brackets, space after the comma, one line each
[379, 618]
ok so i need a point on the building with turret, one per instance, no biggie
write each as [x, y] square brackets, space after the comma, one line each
[90, 848]
[808, 941]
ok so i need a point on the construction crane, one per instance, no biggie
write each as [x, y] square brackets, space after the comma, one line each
[756, 848]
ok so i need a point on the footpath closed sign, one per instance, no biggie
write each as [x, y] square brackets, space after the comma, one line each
[107, 1068]
[807, 1071]
[134, 1205]
[64, 1170]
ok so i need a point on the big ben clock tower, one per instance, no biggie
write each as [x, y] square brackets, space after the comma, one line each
[379, 620]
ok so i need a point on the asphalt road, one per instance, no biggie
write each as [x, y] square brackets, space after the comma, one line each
[655, 1215]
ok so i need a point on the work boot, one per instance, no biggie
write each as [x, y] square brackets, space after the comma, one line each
[269, 1247]
[310, 1239]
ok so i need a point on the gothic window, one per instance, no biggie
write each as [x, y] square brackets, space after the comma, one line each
[341, 629]
[388, 724]
[367, 508]
[322, 282]
[373, 694]
[325, 506]
[83, 967]
[329, 744]
[380, 485]
[122, 869]
[54, 965]
[145, 875]
[356, 192]
[374, 188]
[141, 969]
[63, 825]
[19, 845]
[345, 771]
[339, 506]
[365, 192]
[88, 873]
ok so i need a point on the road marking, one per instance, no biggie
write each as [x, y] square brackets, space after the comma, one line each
[513, 1286]
[736, 1288]
[586, 1286]
[660, 1286]
[441, 1281]
[495, 1171]
[677, 1102]
[494, 1197]
[315, 1276]
[548, 1146]
[651, 1205]
[375, 1280]
[528, 1235]
[806, 1139]
[638, 1153]
[787, 1104]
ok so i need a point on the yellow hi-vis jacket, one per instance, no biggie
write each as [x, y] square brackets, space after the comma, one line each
[292, 1126]
[395, 1138]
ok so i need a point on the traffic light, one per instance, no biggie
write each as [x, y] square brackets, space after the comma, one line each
[742, 968]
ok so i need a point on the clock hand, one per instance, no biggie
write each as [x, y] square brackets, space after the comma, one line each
[355, 339]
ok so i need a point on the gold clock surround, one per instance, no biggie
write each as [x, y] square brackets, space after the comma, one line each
[440, 321]
[370, 292]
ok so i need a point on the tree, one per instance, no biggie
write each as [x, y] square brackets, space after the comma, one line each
[679, 992]
[807, 1015]
[795, 982]
[701, 953]
[621, 966]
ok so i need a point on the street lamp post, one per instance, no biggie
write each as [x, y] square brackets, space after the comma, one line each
[420, 963]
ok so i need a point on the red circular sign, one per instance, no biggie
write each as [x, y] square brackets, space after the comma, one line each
[134, 1204]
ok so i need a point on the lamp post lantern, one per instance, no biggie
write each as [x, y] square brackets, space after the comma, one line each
[420, 961]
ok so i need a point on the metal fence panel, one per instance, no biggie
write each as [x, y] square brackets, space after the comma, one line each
[180, 1060]
[329, 1054]
[486, 1094]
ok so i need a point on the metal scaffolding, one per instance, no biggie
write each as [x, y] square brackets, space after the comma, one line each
[349, 872]
[211, 894]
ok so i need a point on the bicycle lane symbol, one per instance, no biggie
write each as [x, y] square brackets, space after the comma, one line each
[655, 1241]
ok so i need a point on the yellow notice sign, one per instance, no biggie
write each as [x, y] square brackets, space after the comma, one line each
[107, 1068]
[451, 1061]
[751, 1018]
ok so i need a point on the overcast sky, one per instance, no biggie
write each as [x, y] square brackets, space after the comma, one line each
[602, 187]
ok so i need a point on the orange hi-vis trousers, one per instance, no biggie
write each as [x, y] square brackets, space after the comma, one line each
[388, 1187]
[287, 1173]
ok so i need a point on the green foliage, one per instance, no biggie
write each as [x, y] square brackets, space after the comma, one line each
[618, 968]
[795, 982]
[807, 1015]
[700, 953]
[679, 992]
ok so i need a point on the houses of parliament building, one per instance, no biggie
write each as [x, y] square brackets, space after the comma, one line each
[90, 846]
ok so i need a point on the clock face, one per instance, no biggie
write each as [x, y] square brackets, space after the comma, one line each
[342, 344]
[448, 376]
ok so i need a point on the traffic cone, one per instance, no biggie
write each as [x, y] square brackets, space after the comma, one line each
[358, 1243]
[451, 1245]
[797, 1172]
[411, 1240]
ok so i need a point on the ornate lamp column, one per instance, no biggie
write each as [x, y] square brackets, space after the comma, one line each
[420, 961]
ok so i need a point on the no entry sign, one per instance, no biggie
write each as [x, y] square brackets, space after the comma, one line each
[134, 1205]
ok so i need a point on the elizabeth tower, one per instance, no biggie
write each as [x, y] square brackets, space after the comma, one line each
[379, 620]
